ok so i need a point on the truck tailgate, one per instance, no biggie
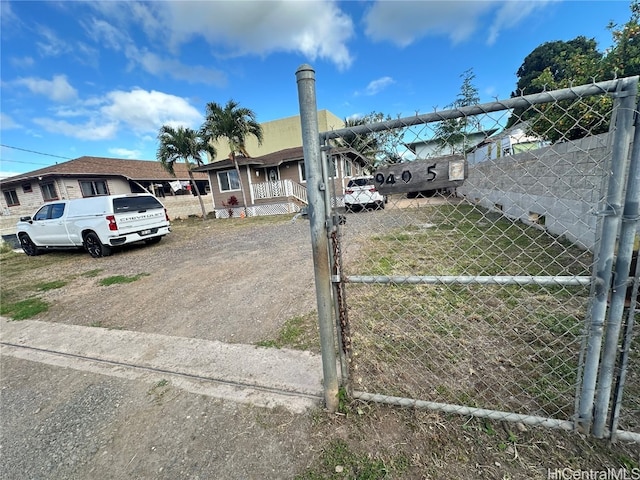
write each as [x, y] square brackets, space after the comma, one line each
[136, 221]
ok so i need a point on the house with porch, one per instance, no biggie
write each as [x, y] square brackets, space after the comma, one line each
[274, 183]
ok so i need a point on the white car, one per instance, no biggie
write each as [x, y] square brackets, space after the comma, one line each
[361, 192]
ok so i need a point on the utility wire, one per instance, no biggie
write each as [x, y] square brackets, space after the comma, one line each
[4, 160]
[33, 151]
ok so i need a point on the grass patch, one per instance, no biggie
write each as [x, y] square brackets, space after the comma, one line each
[299, 333]
[504, 347]
[24, 309]
[119, 279]
[92, 273]
[338, 460]
[46, 286]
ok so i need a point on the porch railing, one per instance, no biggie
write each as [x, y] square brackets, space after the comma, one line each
[279, 188]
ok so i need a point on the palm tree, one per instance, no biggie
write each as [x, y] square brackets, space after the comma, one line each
[234, 123]
[184, 144]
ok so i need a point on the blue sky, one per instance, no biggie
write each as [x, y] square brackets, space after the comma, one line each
[100, 78]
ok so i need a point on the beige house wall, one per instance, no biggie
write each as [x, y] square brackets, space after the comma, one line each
[280, 134]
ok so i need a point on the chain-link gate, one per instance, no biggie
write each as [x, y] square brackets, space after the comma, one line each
[486, 264]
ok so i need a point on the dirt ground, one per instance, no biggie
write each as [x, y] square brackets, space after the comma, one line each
[236, 283]
[209, 281]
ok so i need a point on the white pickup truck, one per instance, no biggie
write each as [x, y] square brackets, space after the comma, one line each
[95, 223]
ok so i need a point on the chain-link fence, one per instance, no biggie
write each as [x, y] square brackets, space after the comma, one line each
[476, 266]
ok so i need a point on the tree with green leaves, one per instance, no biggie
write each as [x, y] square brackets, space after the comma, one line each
[379, 147]
[556, 65]
[623, 59]
[186, 145]
[235, 124]
[452, 133]
[550, 66]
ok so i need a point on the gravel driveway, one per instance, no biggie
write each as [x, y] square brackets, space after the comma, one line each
[215, 280]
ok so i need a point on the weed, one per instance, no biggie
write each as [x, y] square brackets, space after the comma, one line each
[339, 461]
[92, 273]
[300, 333]
[159, 389]
[24, 309]
[43, 287]
[117, 279]
[343, 401]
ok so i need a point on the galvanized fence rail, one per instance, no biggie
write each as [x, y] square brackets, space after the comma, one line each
[498, 279]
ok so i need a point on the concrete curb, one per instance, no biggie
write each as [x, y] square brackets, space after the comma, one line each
[265, 377]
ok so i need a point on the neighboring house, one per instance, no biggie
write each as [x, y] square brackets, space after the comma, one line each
[508, 142]
[279, 135]
[274, 183]
[433, 147]
[89, 177]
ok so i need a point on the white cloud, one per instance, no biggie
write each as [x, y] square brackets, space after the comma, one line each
[315, 29]
[511, 14]
[125, 153]
[50, 45]
[402, 23]
[57, 89]
[8, 19]
[193, 74]
[144, 111]
[139, 111]
[117, 39]
[22, 62]
[104, 33]
[87, 131]
[376, 86]
[8, 123]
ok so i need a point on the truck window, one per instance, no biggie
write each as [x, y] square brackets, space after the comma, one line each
[57, 209]
[43, 213]
[135, 204]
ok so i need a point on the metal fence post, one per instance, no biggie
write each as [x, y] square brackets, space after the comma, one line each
[602, 270]
[621, 275]
[316, 186]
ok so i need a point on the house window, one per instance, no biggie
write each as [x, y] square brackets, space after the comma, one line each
[228, 181]
[11, 197]
[49, 191]
[94, 188]
[303, 174]
[347, 168]
[333, 167]
[26, 188]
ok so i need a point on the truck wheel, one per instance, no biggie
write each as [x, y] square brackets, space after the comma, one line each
[28, 246]
[95, 247]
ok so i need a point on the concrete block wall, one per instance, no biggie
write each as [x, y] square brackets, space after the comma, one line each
[560, 186]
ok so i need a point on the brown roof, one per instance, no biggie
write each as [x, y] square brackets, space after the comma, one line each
[270, 159]
[293, 154]
[94, 166]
